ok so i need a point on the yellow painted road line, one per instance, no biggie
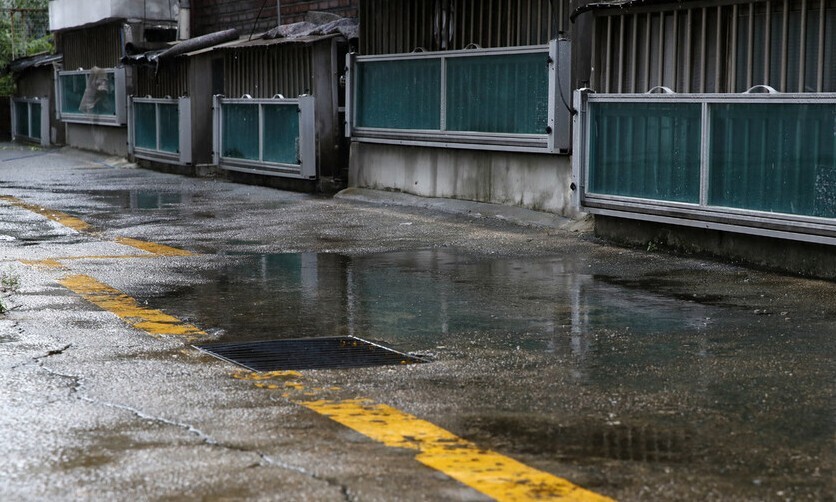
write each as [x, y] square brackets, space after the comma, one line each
[152, 247]
[82, 226]
[154, 322]
[491, 473]
[50, 263]
[488, 472]
[57, 216]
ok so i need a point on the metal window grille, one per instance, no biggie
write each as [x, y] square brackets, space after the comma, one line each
[757, 163]
[106, 106]
[789, 45]
[266, 136]
[160, 129]
[30, 120]
[511, 99]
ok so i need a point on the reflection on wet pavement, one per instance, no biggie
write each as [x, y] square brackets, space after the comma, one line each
[706, 375]
[141, 199]
[420, 300]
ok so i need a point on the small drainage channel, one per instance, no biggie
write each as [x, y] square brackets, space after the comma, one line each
[334, 352]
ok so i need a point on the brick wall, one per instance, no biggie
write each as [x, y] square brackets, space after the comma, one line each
[214, 15]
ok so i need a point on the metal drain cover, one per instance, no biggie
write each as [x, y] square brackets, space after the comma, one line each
[334, 352]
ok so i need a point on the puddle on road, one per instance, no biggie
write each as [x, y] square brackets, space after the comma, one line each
[649, 443]
[426, 299]
[140, 199]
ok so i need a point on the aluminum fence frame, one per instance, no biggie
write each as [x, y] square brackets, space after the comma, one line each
[556, 139]
[702, 215]
[120, 101]
[306, 169]
[184, 107]
[44, 139]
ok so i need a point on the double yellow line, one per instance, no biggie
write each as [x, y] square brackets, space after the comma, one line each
[486, 471]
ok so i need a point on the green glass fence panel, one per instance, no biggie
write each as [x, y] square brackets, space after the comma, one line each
[281, 134]
[169, 127]
[145, 126]
[502, 94]
[645, 150]
[72, 90]
[777, 157]
[22, 119]
[35, 130]
[240, 131]
[100, 100]
[399, 94]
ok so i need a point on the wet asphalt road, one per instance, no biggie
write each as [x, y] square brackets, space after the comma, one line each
[634, 374]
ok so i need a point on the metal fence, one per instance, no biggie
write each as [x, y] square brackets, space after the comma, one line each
[30, 120]
[512, 99]
[266, 136]
[705, 47]
[760, 163]
[394, 26]
[92, 97]
[160, 129]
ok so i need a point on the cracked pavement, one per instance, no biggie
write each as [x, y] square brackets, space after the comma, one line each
[638, 375]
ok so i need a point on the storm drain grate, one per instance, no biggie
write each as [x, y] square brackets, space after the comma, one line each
[335, 352]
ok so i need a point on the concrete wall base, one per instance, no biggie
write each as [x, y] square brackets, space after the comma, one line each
[104, 139]
[198, 171]
[529, 180]
[292, 184]
[794, 257]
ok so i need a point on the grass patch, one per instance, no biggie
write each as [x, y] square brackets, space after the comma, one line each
[9, 281]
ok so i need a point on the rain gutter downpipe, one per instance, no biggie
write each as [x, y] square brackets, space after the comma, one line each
[278, 13]
[184, 20]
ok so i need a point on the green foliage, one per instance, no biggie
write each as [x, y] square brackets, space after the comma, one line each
[21, 45]
[9, 281]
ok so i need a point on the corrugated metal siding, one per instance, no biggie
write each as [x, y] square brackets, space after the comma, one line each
[787, 44]
[393, 26]
[170, 79]
[88, 47]
[263, 72]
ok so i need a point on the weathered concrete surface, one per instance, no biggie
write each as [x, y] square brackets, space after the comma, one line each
[634, 374]
[106, 139]
[803, 258]
[533, 181]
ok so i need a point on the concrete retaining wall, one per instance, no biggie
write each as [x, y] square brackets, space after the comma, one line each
[110, 140]
[533, 181]
[802, 258]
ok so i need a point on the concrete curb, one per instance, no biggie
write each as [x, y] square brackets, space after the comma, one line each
[515, 215]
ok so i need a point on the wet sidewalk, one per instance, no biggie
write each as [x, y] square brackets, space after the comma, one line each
[635, 375]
